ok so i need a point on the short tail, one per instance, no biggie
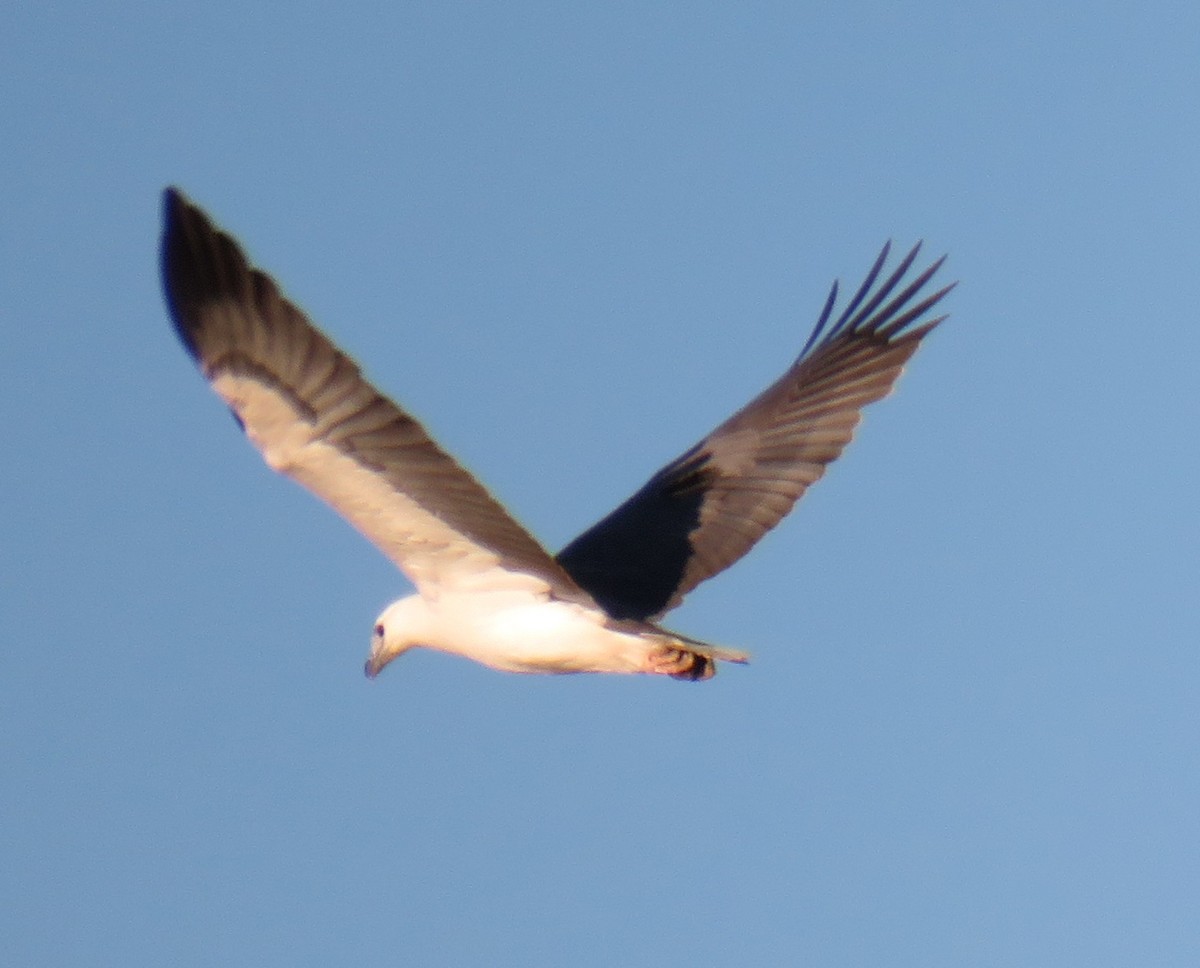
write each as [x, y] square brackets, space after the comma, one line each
[684, 658]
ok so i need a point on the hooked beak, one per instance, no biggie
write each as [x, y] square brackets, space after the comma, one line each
[381, 656]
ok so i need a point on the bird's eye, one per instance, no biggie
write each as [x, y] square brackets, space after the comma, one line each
[379, 631]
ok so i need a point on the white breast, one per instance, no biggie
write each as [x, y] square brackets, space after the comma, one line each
[526, 634]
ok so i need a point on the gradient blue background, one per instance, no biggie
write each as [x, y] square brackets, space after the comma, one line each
[572, 239]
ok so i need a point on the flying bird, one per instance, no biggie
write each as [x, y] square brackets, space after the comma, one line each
[485, 588]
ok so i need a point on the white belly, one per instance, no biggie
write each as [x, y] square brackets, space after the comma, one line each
[536, 636]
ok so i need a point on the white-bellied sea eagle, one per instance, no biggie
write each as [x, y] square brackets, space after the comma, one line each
[485, 588]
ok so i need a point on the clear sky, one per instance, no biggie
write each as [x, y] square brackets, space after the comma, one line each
[572, 238]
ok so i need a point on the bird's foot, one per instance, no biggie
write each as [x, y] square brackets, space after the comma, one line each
[680, 663]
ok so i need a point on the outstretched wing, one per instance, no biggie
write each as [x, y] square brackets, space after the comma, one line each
[703, 511]
[306, 406]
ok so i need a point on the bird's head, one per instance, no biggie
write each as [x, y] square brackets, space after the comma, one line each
[399, 628]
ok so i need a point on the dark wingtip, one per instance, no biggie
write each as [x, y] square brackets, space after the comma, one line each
[867, 314]
[172, 198]
[174, 211]
[200, 265]
[175, 257]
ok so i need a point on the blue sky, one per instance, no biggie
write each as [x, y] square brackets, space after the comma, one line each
[571, 240]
